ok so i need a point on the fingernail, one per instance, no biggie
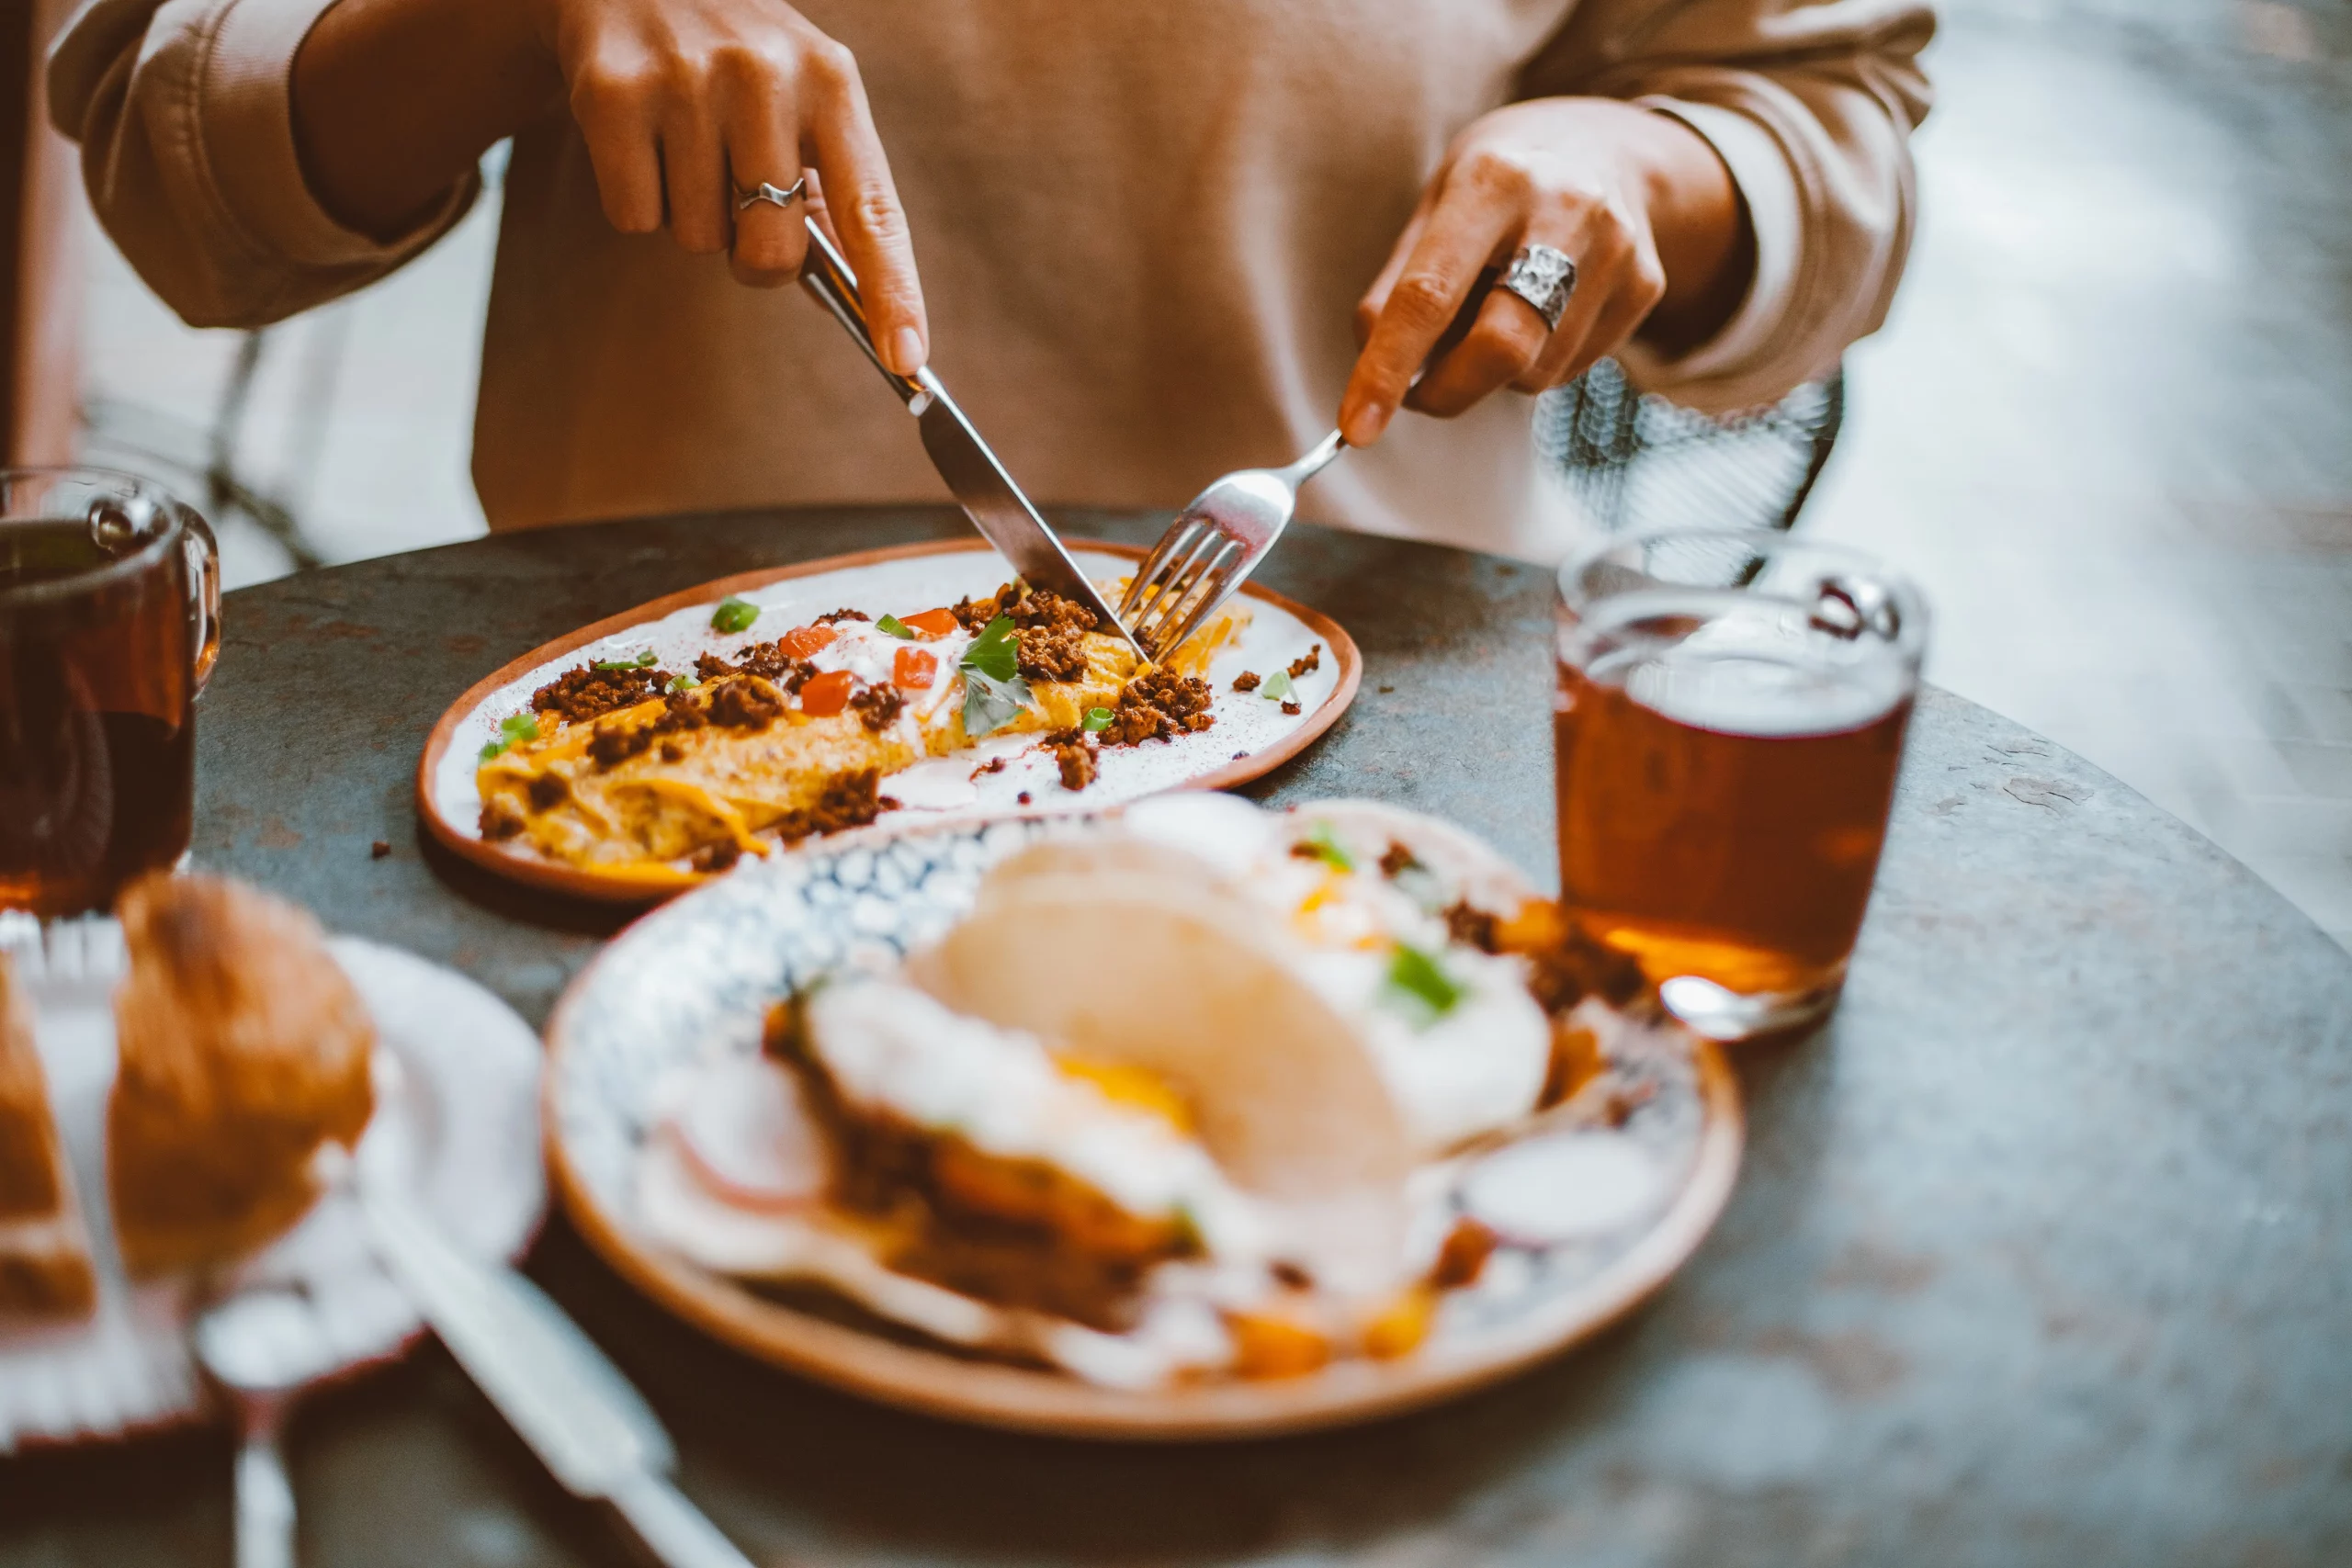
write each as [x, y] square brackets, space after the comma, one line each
[1370, 423]
[906, 351]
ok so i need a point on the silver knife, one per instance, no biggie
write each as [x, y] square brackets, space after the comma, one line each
[978, 481]
[588, 1427]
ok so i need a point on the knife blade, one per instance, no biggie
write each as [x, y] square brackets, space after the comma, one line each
[591, 1428]
[979, 482]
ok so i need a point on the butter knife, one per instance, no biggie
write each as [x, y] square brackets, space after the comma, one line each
[978, 481]
[588, 1427]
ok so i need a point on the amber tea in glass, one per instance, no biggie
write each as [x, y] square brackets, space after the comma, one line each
[109, 618]
[1729, 719]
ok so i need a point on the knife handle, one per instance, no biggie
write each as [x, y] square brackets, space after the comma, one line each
[828, 278]
[673, 1528]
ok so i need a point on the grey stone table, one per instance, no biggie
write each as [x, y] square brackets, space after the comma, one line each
[2040, 1253]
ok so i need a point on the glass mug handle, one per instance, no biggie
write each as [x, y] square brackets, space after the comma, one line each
[203, 554]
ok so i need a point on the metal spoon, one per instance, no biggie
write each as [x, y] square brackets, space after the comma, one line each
[260, 1347]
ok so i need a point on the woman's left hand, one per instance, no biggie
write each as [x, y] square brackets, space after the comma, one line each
[1638, 200]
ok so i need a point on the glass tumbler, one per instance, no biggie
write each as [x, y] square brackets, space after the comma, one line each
[1729, 719]
[109, 623]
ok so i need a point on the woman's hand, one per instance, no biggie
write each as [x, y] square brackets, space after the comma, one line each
[1637, 199]
[681, 103]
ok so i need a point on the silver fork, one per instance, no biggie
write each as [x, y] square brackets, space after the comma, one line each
[1212, 547]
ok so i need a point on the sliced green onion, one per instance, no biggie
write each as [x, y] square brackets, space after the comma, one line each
[1099, 720]
[511, 728]
[1421, 986]
[1325, 846]
[734, 614]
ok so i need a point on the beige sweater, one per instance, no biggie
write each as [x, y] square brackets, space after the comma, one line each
[1142, 225]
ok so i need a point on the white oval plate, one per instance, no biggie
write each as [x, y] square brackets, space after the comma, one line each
[1251, 735]
[459, 1120]
[693, 979]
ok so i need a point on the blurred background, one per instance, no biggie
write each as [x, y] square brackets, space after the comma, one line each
[2110, 426]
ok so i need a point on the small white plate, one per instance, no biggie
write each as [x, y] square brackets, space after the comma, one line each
[457, 1117]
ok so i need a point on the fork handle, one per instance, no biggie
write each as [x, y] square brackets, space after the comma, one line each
[1316, 459]
[828, 280]
[265, 1503]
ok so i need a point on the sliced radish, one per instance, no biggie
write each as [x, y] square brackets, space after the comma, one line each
[1563, 1186]
[746, 1136]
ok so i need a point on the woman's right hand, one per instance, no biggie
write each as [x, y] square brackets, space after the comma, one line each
[685, 102]
[681, 101]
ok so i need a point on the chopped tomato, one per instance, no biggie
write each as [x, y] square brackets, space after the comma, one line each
[1401, 1326]
[827, 695]
[931, 623]
[913, 669]
[1267, 1344]
[802, 641]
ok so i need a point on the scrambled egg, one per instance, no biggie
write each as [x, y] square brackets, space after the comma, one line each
[796, 738]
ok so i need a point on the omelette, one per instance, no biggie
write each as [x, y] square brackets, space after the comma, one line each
[620, 765]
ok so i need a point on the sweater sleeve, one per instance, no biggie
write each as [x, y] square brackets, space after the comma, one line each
[184, 111]
[1811, 104]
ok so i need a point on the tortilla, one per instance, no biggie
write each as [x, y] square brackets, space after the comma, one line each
[1144, 959]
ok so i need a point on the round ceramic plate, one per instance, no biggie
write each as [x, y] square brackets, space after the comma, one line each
[1252, 736]
[693, 979]
[457, 1120]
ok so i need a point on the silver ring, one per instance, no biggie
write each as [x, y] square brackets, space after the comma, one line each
[1544, 277]
[770, 193]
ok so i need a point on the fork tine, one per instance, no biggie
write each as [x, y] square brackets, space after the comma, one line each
[1167, 604]
[1175, 575]
[1201, 586]
[1180, 534]
[1218, 580]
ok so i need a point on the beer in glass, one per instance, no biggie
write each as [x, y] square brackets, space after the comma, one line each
[1729, 717]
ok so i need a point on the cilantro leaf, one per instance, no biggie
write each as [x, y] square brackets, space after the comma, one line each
[1322, 844]
[995, 653]
[989, 705]
[993, 688]
[734, 614]
[511, 728]
[1275, 687]
[1417, 984]
[642, 661]
[895, 627]
[1098, 721]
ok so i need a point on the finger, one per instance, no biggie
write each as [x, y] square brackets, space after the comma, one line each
[1619, 283]
[763, 146]
[694, 178]
[1469, 222]
[863, 203]
[615, 107]
[1627, 309]
[1502, 345]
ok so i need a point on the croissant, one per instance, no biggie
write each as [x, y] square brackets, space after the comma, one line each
[244, 1050]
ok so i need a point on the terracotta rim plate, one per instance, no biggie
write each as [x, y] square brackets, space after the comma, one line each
[439, 812]
[693, 979]
[456, 1119]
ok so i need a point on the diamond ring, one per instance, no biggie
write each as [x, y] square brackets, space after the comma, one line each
[770, 193]
[1544, 277]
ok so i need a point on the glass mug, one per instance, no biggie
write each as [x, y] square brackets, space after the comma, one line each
[109, 624]
[1729, 717]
